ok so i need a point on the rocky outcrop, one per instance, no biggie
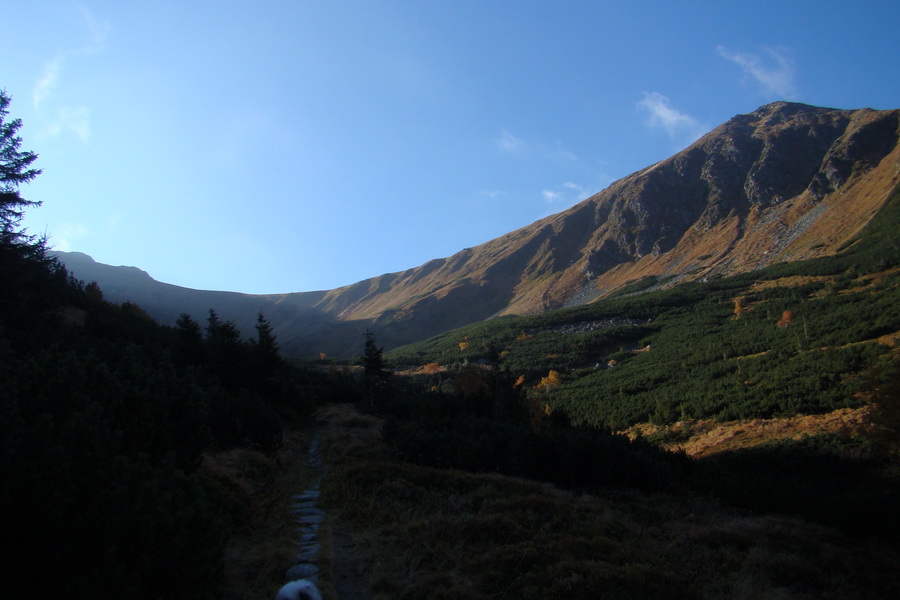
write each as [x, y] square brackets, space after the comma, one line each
[735, 195]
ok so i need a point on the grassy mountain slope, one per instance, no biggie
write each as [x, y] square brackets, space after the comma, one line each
[790, 338]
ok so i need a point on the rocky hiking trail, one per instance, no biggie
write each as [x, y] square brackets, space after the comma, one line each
[346, 580]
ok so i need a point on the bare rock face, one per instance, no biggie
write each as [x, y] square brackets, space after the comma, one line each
[749, 165]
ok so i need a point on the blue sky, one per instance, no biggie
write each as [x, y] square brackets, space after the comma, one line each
[277, 146]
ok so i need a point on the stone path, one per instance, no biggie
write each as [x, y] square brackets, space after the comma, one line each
[309, 519]
[349, 581]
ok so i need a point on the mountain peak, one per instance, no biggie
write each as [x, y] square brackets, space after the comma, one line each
[88, 269]
[786, 108]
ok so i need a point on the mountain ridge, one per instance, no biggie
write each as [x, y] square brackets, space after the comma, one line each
[785, 182]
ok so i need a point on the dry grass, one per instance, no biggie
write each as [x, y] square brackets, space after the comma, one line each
[259, 491]
[350, 435]
[325, 563]
[702, 438]
[788, 282]
[433, 533]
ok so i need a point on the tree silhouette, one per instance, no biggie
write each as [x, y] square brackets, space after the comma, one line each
[189, 348]
[225, 351]
[265, 347]
[374, 373]
[884, 415]
[15, 169]
[31, 279]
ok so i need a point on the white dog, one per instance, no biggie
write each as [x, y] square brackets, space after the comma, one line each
[299, 590]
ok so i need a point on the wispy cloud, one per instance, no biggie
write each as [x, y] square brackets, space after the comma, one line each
[70, 119]
[47, 81]
[558, 156]
[98, 29]
[98, 32]
[552, 196]
[775, 76]
[559, 152]
[76, 120]
[66, 234]
[568, 194]
[579, 190]
[553, 151]
[510, 143]
[676, 123]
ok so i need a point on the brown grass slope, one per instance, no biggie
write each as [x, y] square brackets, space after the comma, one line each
[423, 532]
[785, 182]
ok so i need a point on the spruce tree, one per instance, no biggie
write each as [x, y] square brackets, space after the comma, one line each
[265, 347]
[189, 348]
[225, 350]
[15, 170]
[30, 280]
[374, 373]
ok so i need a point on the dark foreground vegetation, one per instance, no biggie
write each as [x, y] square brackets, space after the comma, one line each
[104, 419]
[428, 532]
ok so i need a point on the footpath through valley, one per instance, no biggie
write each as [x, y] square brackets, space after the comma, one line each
[346, 577]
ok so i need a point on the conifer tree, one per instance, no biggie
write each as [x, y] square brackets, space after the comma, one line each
[374, 373]
[265, 347]
[15, 170]
[225, 350]
[30, 280]
[189, 349]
